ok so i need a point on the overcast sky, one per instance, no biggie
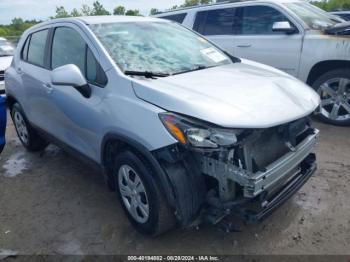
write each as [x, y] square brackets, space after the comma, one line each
[42, 9]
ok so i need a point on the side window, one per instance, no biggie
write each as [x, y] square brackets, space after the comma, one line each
[94, 72]
[36, 50]
[215, 22]
[68, 47]
[179, 18]
[258, 20]
[24, 53]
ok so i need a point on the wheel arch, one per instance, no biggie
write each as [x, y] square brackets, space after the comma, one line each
[10, 101]
[113, 143]
[322, 67]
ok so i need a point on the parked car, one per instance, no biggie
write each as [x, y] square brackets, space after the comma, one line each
[6, 53]
[181, 130]
[2, 121]
[291, 35]
[342, 14]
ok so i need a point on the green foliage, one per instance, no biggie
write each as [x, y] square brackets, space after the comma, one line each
[332, 5]
[153, 11]
[196, 2]
[86, 10]
[61, 12]
[75, 13]
[17, 27]
[98, 9]
[119, 10]
[133, 12]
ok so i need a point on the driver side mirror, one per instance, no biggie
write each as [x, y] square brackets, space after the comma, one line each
[70, 75]
[284, 27]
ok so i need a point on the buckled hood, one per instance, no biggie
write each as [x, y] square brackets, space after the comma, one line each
[239, 95]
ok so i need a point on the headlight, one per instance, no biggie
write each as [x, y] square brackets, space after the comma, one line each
[195, 134]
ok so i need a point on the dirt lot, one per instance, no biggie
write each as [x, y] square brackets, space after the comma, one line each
[52, 204]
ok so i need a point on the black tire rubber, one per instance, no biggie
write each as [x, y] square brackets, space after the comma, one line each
[343, 73]
[161, 218]
[35, 141]
[1, 148]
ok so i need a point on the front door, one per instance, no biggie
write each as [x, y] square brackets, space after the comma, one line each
[256, 40]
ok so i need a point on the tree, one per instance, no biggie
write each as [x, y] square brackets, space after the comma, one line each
[154, 11]
[331, 5]
[61, 12]
[119, 10]
[133, 12]
[17, 23]
[86, 10]
[75, 13]
[98, 9]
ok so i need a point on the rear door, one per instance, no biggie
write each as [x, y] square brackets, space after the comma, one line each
[218, 25]
[35, 75]
[256, 41]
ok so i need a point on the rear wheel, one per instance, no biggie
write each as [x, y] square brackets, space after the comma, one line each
[28, 136]
[140, 195]
[334, 90]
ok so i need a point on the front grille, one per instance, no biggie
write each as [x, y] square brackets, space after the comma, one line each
[2, 75]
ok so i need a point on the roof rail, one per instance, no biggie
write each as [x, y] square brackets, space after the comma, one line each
[218, 2]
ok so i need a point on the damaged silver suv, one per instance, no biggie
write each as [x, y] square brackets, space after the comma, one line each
[181, 130]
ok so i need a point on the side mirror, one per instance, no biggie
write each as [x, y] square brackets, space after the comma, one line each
[284, 27]
[70, 75]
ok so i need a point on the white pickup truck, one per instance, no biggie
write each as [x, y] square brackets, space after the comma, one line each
[290, 35]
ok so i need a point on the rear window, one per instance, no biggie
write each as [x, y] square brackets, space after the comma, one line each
[179, 18]
[36, 50]
[215, 22]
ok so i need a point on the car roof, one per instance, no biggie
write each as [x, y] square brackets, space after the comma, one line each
[2, 38]
[103, 19]
[224, 3]
[340, 12]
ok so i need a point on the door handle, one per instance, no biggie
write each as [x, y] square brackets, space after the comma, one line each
[48, 87]
[244, 45]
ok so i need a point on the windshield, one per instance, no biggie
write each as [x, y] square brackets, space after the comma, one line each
[314, 17]
[158, 47]
[6, 48]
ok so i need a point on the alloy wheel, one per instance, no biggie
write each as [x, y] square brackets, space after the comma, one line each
[335, 99]
[21, 127]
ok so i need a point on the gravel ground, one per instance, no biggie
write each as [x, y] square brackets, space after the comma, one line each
[50, 203]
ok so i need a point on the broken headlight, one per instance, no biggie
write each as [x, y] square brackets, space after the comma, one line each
[198, 134]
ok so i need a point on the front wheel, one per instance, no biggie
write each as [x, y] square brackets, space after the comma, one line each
[140, 195]
[334, 90]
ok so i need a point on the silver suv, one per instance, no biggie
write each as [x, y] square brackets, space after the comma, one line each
[182, 131]
[291, 35]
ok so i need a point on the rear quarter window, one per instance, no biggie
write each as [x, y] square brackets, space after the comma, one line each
[215, 22]
[179, 18]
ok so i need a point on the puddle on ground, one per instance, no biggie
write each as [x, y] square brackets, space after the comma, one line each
[5, 253]
[15, 165]
[52, 150]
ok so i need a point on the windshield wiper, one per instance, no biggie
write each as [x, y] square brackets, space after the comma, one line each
[197, 68]
[146, 74]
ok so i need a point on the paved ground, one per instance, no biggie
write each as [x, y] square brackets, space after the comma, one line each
[52, 204]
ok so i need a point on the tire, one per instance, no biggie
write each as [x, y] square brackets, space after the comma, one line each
[158, 217]
[334, 90]
[28, 136]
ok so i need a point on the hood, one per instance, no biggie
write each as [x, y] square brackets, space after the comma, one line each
[339, 29]
[240, 95]
[5, 62]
